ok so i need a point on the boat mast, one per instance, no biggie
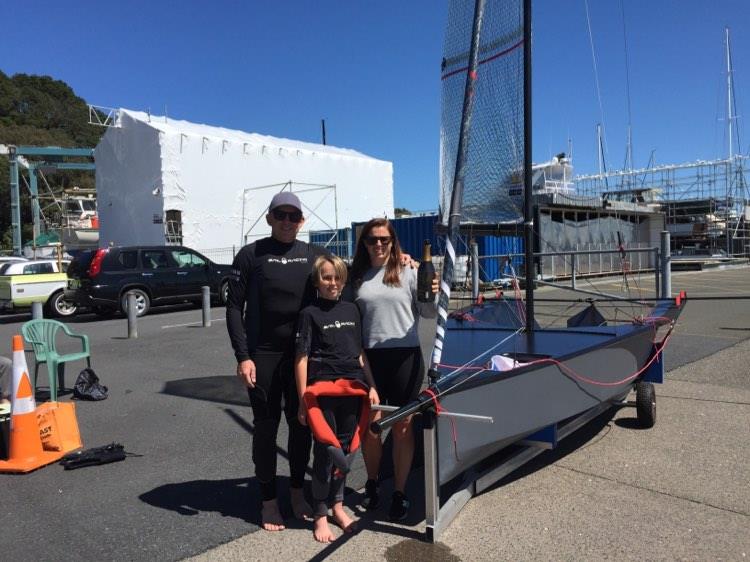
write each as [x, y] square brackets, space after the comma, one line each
[454, 213]
[528, 219]
[730, 118]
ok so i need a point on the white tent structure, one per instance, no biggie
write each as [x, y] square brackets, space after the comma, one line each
[163, 181]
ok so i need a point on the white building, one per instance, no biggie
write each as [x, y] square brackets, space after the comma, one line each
[160, 179]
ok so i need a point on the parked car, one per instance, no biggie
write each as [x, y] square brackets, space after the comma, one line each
[100, 279]
[25, 282]
[7, 259]
[29, 267]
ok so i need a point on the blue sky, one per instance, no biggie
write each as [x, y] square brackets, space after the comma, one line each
[371, 69]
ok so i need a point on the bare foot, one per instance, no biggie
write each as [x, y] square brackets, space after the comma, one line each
[342, 519]
[271, 516]
[321, 530]
[300, 507]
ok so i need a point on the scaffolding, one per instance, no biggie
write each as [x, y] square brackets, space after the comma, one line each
[705, 202]
[46, 206]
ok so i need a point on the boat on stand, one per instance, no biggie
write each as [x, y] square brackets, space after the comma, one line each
[501, 388]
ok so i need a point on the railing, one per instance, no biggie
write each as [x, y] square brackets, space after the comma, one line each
[221, 255]
[494, 270]
[593, 260]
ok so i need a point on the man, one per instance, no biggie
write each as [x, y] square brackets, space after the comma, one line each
[269, 285]
[6, 379]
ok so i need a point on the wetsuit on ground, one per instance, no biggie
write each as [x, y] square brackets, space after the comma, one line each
[269, 285]
[330, 335]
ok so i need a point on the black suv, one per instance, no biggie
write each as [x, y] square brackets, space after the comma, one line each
[100, 279]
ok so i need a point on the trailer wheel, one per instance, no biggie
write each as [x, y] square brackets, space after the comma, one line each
[645, 404]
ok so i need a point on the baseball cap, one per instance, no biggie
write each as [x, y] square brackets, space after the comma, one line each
[285, 198]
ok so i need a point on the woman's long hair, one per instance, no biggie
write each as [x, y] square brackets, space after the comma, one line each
[361, 262]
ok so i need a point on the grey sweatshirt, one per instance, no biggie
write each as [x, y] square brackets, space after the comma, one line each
[390, 315]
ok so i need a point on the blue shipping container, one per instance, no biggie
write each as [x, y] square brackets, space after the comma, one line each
[338, 242]
[491, 268]
[413, 231]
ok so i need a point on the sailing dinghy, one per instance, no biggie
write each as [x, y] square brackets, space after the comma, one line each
[501, 388]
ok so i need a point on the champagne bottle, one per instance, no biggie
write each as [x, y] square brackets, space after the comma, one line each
[425, 275]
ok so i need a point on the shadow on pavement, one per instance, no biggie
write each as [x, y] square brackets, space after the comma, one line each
[586, 436]
[230, 498]
[230, 390]
[224, 389]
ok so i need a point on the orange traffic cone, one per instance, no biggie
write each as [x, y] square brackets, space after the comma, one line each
[26, 452]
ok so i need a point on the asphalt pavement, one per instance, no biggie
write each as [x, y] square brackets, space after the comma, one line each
[677, 491]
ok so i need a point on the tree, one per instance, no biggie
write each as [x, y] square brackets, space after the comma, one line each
[401, 212]
[40, 111]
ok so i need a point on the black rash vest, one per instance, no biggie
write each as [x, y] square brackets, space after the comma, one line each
[269, 284]
[330, 334]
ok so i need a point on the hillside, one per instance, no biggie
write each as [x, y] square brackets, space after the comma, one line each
[40, 111]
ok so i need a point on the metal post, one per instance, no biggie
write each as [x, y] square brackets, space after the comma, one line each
[36, 311]
[431, 485]
[242, 222]
[666, 266]
[528, 209]
[15, 202]
[474, 248]
[34, 189]
[657, 277]
[132, 316]
[206, 293]
[573, 270]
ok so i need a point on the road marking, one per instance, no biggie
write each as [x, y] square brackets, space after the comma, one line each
[684, 333]
[220, 319]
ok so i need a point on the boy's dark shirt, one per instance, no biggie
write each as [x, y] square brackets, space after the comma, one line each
[330, 334]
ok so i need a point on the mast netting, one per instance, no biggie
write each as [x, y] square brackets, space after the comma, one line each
[493, 184]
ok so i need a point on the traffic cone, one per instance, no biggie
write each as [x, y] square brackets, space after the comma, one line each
[25, 451]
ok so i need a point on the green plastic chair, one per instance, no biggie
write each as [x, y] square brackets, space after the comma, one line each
[41, 335]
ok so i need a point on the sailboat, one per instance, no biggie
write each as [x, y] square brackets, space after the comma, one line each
[501, 389]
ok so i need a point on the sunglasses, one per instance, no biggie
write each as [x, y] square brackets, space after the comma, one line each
[372, 240]
[293, 216]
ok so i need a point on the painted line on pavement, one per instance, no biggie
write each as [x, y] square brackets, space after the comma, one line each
[220, 319]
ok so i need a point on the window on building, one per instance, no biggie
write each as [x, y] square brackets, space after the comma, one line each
[173, 227]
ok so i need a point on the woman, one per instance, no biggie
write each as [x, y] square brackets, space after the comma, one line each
[386, 293]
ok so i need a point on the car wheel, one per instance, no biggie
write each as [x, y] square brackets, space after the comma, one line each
[142, 302]
[59, 306]
[224, 294]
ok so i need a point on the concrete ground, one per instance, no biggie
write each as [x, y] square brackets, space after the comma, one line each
[677, 491]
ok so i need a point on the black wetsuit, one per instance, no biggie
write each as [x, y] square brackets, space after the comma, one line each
[269, 285]
[330, 335]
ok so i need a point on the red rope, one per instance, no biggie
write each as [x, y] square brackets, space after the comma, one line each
[564, 368]
[438, 410]
[462, 316]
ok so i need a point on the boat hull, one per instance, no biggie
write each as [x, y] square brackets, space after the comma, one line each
[528, 399]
